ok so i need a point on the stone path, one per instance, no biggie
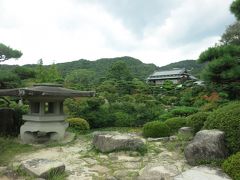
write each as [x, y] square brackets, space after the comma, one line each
[85, 163]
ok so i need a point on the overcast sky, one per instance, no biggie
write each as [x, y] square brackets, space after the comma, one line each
[154, 31]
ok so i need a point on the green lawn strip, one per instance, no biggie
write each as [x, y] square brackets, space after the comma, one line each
[9, 148]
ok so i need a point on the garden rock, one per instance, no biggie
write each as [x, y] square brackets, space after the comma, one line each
[164, 139]
[112, 141]
[42, 167]
[202, 173]
[158, 172]
[206, 145]
[185, 130]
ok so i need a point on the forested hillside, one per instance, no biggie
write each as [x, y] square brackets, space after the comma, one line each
[137, 68]
[192, 65]
[100, 67]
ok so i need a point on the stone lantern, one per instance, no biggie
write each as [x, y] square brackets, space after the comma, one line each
[46, 118]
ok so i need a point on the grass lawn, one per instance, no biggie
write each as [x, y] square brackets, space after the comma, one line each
[9, 148]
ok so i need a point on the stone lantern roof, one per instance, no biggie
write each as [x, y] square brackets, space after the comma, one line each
[45, 90]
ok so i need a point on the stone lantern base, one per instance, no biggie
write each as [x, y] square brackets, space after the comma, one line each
[36, 132]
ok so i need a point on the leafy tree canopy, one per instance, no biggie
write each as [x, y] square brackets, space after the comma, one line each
[47, 74]
[235, 8]
[80, 78]
[223, 68]
[7, 53]
[232, 34]
[213, 53]
[119, 71]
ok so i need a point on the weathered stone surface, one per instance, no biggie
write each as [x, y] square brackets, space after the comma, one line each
[158, 172]
[111, 141]
[125, 158]
[125, 174]
[202, 173]
[206, 145]
[185, 130]
[173, 138]
[100, 169]
[158, 139]
[3, 169]
[110, 178]
[41, 167]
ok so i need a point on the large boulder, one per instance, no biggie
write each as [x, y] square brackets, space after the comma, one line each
[112, 141]
[158, 172]
[42, 167]
[206, 145]
[202, 173]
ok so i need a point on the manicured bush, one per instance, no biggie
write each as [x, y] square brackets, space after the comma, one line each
[183, 111]
[175, 123]
[165, 116]
[156, 129]
[227, 119]
[123, 119]
[78, 123]
[196, 121]
[231, 166]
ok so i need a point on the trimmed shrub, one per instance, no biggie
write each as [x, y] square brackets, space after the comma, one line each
[123, 119]
[78, 123]
[231, 166]
[165, 116]
[156, 129]
[196, 121]
[227, 119]
[175, 123]
[183, 111]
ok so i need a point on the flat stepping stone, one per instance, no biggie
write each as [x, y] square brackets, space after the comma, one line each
[202, 173]
[42, 167]
[158, 172]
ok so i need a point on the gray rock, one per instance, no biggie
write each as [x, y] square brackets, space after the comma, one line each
[112, 141]
[3, 169]
[158, 172]
[202, 173]
[206, 145]
[100, 169]
[158, 139]
[173, 138]
[125, 174]
[185, 130]
[110, 178]
[42, 167]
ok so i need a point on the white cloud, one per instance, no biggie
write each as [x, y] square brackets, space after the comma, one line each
[66, 30]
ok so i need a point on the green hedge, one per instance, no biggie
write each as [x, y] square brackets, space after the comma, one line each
[183, 111]
[232, 166]
[175, 123]
[227, 119]
[156, 129]
[78, 123]
[196, 121]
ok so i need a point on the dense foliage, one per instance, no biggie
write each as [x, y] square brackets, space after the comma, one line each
[227, 119]
[196, 121]
[175, 124]
[7, 52]
[191, 65]
[232, 34]
[231, 166]
[223, 68]
[156, 129]
[235, 8]
[78, 123]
